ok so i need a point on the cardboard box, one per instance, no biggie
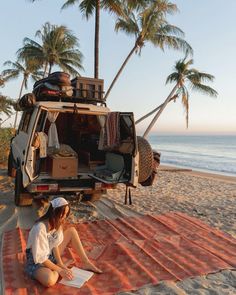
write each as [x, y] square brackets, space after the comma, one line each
[63, 167]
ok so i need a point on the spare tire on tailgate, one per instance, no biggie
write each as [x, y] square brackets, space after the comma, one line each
[145, 159]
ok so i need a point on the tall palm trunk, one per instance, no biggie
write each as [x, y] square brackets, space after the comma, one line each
[120, 70]
[153, 111]
[50, 68]
[45, 70]
[160, 110]
[21, 89]
[96, 40]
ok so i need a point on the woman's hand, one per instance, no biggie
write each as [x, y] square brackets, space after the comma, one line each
[90, 266]
[62, 265]
[66, 273]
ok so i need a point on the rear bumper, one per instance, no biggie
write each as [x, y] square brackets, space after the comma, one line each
[88, 186]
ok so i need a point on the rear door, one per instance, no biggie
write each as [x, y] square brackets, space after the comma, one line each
[28, 156]
[19, 143]
[127, 131]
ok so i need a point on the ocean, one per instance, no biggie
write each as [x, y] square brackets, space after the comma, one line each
[215, 154]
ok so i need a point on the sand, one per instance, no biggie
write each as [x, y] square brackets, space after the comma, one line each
[212, 198]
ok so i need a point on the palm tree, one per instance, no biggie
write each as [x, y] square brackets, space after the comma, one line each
[59, 47]
[183, 76]
[88, 8]
[149, 25]
[27, 69]
[6, 105]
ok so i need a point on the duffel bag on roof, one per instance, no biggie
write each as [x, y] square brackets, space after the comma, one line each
[54, 86]
[56, 78]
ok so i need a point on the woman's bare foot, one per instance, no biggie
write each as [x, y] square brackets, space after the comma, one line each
[90, 266]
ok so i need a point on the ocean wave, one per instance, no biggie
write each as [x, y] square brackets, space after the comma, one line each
[212, 153]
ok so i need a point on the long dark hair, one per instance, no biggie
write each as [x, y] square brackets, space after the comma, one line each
[53, 215]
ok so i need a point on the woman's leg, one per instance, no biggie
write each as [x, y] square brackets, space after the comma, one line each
[46, 276]
[71, 236]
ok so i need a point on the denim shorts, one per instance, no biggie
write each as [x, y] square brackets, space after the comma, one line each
[31, 267]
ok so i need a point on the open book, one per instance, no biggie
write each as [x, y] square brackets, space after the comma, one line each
[80, 277]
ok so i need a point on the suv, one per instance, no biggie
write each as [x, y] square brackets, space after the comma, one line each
[75, 144]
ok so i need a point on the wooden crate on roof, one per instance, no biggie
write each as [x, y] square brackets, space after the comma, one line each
[88, 88]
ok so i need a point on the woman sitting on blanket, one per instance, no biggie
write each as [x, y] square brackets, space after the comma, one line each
[47, 242]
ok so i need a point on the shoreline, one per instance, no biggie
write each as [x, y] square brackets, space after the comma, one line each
[210, 175]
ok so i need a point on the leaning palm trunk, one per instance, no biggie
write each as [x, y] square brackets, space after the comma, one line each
[120, 70]
[160, 110]
[96, 40]
[21, 89]
[2, 122]
[153, 111]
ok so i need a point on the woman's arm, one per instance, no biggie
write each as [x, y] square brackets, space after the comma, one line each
[49, 264]
[57, 256]
[63, 272]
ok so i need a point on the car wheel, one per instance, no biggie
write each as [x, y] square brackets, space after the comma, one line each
[22, 198]
[145, 159]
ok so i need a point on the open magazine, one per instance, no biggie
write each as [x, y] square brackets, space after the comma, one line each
[80, 277]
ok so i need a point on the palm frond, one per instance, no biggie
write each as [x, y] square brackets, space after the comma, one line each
[69, 3]
[6, 105]
[129, 26]
[199, 77]
[204, 89]
[112, 6]
[171, 42]
[10, 74]
[87, 7]
[174, 77]
[185, 103]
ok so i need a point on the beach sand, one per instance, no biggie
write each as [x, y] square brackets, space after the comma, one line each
[212, 198]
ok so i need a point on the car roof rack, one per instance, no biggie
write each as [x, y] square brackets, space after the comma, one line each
[71, 99]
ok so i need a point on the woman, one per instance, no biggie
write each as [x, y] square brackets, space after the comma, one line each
[46, 243]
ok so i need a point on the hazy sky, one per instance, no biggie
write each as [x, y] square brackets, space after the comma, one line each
[209, 26]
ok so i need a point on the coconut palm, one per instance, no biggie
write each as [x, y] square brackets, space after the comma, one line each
[149, 25]
[6, 105]
[185, 78]
[16, 69]
[58, 47]
[88, 8]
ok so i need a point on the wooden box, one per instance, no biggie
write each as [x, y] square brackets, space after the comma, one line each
[63, 167]
[88, 88]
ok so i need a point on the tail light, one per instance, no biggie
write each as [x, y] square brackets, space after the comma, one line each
[108, 185]
[42, 188]
[45, 188]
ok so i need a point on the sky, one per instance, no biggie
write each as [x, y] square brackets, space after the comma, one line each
[209, 27]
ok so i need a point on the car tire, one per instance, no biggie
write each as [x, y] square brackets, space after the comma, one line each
[145, 159]
[22, 198]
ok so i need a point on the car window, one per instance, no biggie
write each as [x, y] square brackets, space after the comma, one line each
[41, 121]
[25, 121]
[126, 127]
